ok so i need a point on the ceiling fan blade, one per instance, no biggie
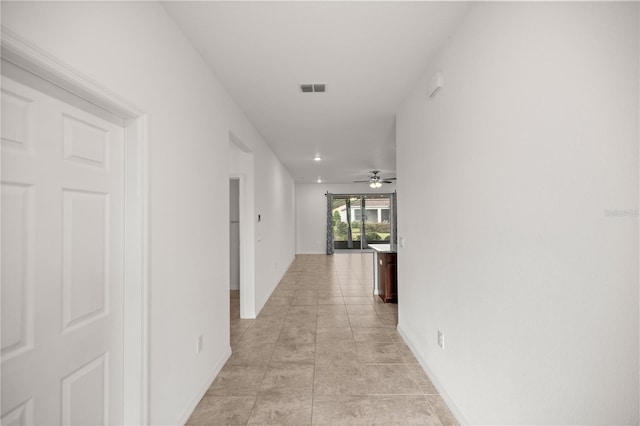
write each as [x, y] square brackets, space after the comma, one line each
[359, 181]
[390, 178]
[386, 181]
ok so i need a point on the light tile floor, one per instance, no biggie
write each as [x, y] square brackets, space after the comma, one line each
[323, 351]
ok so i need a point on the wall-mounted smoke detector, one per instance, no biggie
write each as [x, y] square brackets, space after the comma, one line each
[313, 88]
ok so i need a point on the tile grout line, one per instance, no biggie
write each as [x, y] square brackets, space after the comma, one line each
[282, 314]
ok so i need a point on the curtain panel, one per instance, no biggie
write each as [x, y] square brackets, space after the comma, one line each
[330, 248]
[363, 219]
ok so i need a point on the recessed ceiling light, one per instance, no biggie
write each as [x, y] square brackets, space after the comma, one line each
[317, 158]
[319, 180]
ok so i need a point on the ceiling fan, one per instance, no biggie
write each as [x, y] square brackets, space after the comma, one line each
[376, 181]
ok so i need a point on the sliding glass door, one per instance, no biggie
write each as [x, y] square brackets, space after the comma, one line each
[346, 225]
[377, 222]
[362, 219]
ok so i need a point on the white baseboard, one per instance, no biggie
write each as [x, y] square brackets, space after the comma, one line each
[438, 385]
[261, 304]
[194, 403]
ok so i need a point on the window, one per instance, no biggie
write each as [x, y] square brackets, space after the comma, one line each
[385, 215]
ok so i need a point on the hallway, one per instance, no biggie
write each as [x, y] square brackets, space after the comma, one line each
[322, 351]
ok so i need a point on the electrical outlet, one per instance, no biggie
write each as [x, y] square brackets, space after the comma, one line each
[441, 339]
[199, 344]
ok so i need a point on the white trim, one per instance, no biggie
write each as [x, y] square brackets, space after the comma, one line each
[234, 285]
[195, 401]
[145, 316]
[34, 60]
[30, 57]
[247, 248]
[441, 390]
[264, 301]
[247, 233]
[136, 280]
[638, 117]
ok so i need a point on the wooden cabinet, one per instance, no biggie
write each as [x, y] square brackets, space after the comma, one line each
[387, 276]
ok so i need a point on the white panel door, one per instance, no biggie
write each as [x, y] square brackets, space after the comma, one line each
[62, 262]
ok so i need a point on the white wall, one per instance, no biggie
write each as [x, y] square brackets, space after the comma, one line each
[311, 212]
[273, 237]
[275, 232]
[509, 250]
[135, 50]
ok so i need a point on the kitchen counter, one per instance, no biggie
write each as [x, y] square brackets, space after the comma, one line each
[384, 248]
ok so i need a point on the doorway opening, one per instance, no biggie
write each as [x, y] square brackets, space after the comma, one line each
[241, 171]
[234, 246]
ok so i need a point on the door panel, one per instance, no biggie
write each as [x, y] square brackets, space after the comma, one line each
[62, 262]
[377, 224]
[372, 227]
[17, 269]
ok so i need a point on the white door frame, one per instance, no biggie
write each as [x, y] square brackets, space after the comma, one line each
[247, 257]
[20, 52]
[247, 235]
[234, 203]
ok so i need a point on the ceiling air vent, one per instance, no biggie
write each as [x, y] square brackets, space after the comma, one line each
[313, 88]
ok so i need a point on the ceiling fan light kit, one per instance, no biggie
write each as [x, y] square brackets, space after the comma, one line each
[375, 181]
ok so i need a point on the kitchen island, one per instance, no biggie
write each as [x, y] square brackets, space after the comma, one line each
[385, 271]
